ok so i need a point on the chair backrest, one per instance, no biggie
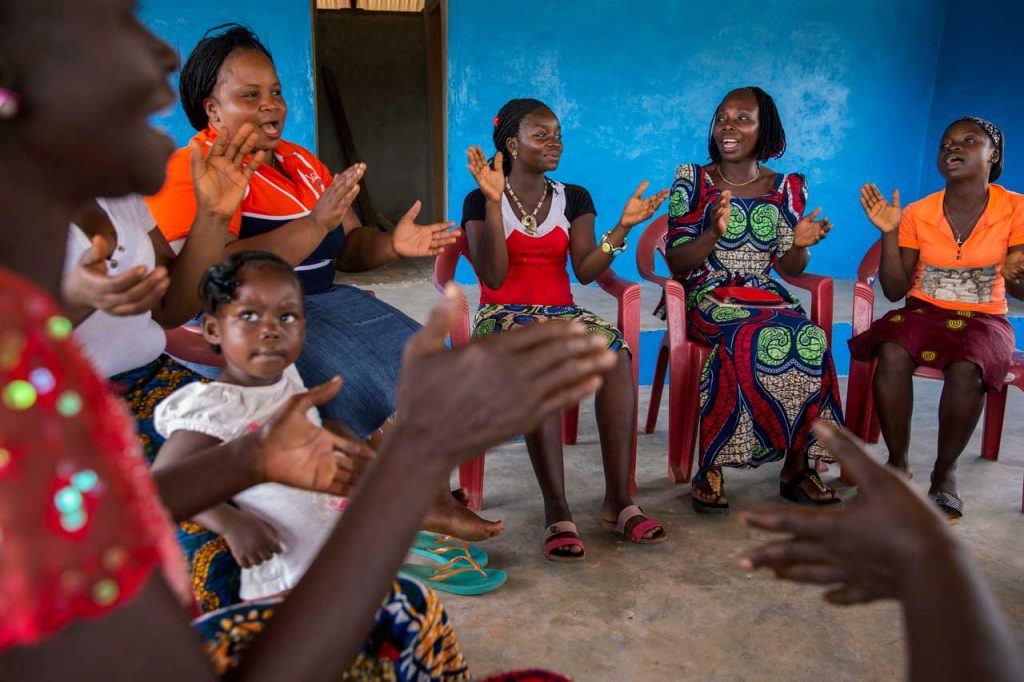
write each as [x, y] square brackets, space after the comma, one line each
[868, 269]
[448, 260]
[652, 239]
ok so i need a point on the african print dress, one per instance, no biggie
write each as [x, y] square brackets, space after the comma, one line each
[770, 375]
[536, 287]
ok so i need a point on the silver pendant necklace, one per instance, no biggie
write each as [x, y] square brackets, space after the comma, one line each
[528, 220]
[957, 234]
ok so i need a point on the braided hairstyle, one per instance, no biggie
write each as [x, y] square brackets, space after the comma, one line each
[506, 125]
[771, 137]
[199, 74]
[222, 280]
[994, 134]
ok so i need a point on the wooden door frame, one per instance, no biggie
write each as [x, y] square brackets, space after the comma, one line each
[439, 140]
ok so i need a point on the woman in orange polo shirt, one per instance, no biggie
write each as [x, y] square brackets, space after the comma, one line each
[295, 208]
[954, 255]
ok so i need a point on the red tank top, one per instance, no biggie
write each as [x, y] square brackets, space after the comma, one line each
[536, 265]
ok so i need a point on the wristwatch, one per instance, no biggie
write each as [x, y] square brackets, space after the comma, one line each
[607, 247]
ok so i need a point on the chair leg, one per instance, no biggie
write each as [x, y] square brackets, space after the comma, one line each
[992, 436]
[570, 424]
[692, 407]
[632, 461]
[657, 386]
[684, 419]
[471, 478]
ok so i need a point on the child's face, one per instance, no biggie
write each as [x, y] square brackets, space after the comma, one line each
[261, 330]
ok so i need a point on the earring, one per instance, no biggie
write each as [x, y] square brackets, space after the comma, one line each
[10, 103]
[515, 154]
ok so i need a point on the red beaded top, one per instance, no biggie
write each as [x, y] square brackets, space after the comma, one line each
[81, 526]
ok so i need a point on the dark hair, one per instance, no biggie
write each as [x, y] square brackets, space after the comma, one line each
[771, 137]
[220, 282]
[994, 134]
[199, 74]
[506, 124]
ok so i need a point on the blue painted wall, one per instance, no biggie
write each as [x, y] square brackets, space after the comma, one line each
[284, 27]
[979, 74]
[636, 83]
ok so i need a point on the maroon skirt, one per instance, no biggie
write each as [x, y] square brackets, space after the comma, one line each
[935, 337]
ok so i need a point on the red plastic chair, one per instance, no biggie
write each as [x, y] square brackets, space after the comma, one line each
[684, 358]
[860, 408]
[187, 342]
[471, 473]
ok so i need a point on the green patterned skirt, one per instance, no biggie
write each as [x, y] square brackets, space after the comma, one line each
[495, 318]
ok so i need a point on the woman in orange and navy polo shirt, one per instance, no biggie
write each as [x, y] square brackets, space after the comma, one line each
[295, 208]
[954, 255]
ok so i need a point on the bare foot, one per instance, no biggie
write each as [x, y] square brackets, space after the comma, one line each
[447, 517]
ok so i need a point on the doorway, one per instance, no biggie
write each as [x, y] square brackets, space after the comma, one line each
[381, 90]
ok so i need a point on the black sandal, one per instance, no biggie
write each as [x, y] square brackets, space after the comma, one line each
[949, 504]
[717, 486]
[792, 491]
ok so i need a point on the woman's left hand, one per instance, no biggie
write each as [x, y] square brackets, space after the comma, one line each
[809, 231]
[411, 240]
[638, 209]
[1013, 266]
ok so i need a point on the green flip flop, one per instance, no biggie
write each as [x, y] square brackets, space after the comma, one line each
[460, 575]
[441, 548]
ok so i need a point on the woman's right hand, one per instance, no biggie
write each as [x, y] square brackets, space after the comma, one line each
[332, 205]
[864, 550]
[882, 214]
[721, 212]
[297, 452]
[491, 180]
[495, 388]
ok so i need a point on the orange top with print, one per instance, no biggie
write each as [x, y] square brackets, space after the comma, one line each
[274, 197]
[974, 281]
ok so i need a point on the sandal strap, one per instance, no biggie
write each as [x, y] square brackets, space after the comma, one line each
[560, 527]
[641, 529]
[948, 501]
[441, 576]
[569, 537]
[459, 564]
[625, 515]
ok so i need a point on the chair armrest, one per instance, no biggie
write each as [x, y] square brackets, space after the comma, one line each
[187, 343]
[446, 262]
[650, 275]
[463, 331]
[863, 312]
[821, 288]
[615, 284]
[627, 293]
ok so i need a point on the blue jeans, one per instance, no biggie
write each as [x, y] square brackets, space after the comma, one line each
[351, 333]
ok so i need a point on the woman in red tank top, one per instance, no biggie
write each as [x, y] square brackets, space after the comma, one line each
[522, 229]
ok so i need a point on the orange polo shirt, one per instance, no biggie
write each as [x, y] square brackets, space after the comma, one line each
[974, 281]
[274, 197]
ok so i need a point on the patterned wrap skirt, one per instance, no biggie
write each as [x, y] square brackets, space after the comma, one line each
[411, 639]
[769, 377]
[935, 337]
[496, 318]
[216, 578]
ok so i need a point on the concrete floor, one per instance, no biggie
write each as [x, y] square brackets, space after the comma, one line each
[683, 609]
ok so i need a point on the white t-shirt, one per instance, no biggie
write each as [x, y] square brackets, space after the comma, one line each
[114, 343]
[302, 519]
